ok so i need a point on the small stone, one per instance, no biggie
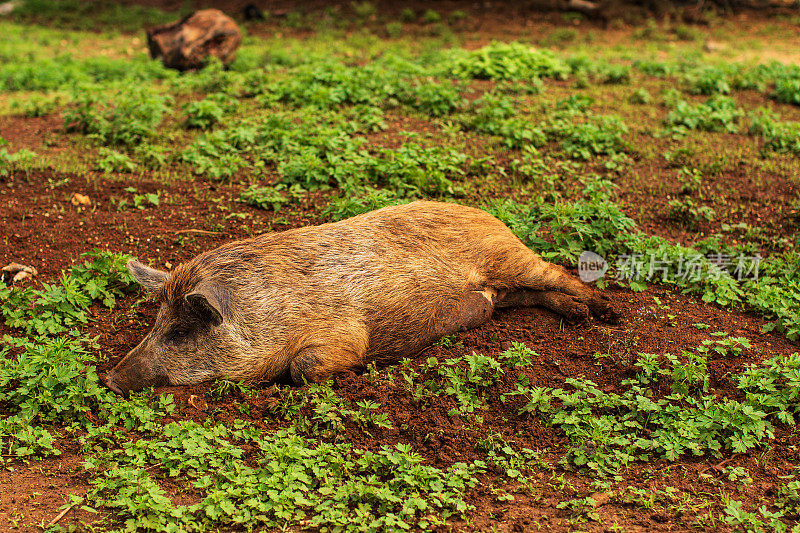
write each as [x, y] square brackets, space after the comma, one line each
[80, 199]
[198, 402]
[599, 498]
[17, 272]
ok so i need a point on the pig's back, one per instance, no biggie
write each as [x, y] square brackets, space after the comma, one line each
[396, 268]
[424, 247]
[392, 269]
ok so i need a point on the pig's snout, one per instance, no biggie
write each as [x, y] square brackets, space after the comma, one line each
[112, 384]
[136, 371]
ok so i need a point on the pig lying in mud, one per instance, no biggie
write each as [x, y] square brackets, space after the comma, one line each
[310, 302]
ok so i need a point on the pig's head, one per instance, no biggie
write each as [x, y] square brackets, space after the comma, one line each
[189, 330]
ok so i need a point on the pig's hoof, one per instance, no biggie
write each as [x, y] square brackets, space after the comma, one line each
[304, 369]
[602, 308]
[574, 310]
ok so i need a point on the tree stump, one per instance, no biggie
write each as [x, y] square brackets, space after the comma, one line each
[188, 43]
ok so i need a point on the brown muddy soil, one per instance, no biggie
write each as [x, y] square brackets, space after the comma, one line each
[41, 227]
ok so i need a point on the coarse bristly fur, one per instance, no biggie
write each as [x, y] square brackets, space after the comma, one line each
[318, 300]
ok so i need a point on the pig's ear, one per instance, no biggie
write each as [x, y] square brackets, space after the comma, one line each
[151, 279]
[208, 300]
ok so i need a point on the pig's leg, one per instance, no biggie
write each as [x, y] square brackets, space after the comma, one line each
[523, 270]
[333, 347]
[318, 363]
[466, 312]
[570, 307]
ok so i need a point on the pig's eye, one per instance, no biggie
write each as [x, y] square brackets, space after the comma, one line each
[176, 335]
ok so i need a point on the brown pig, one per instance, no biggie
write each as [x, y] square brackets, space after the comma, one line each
[314, 301]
